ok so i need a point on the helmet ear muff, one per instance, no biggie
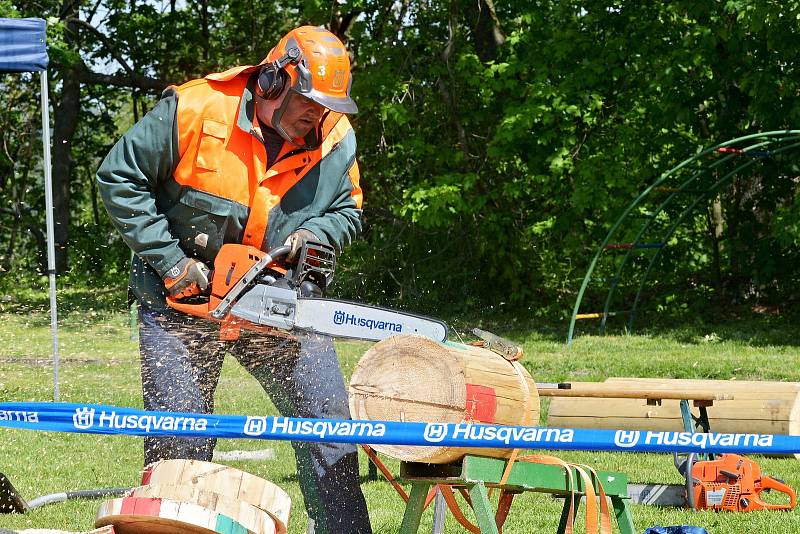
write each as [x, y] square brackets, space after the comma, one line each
[271, 82]
[273, 76]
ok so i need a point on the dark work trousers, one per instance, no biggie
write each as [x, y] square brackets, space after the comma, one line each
[181, 358]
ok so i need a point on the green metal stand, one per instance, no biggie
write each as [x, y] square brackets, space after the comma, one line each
[476, 472]
[651, 220]
[691, 423]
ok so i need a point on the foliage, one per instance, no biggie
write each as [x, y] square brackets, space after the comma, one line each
[525, 158]
[497, 142]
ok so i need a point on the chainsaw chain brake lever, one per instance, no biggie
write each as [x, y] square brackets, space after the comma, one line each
[316, 264]
[684, 463]
[310, 275]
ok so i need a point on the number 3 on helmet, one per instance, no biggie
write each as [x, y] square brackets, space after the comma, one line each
[314, 63]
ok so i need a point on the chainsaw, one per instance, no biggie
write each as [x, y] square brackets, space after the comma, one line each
[256, 290]
[729, 482]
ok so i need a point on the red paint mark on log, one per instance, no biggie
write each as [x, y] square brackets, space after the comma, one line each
[481, 403]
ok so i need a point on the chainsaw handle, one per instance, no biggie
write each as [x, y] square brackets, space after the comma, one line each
[771, 483]
[279, 252]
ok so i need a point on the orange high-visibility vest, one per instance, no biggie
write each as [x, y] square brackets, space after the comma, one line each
[219, 158]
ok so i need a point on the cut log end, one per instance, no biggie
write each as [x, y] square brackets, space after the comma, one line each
[415, 379]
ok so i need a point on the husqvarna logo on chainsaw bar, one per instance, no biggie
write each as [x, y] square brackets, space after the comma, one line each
[342, 318]
[338, 317]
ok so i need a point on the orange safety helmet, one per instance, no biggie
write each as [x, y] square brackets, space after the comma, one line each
[315, 64]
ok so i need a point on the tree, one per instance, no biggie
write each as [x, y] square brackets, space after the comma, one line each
[497, 140]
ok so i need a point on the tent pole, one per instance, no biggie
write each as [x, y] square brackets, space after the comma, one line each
[51, 250]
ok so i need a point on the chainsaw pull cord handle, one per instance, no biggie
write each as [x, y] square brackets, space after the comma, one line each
[771, 483]
[247, 278]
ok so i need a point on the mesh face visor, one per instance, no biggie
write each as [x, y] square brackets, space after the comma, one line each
[309, 121]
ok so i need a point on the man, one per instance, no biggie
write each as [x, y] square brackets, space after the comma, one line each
[262, 155]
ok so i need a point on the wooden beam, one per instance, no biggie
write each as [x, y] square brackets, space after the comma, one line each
[618, 391]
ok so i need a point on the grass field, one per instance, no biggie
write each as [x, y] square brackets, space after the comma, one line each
[99, 365]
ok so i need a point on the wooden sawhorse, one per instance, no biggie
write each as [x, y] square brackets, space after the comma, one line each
[475, 473]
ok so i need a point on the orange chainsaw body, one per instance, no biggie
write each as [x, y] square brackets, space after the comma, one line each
[230, 265]
[734, 483]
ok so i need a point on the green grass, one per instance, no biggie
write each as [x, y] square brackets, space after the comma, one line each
[99, 365]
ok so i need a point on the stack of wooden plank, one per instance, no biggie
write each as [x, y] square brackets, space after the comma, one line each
[754, 406]
[194, 497]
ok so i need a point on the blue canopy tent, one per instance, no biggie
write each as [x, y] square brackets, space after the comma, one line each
[23, 49]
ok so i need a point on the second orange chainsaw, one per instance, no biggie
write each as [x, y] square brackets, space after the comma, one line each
[729, 482]
[734, 483]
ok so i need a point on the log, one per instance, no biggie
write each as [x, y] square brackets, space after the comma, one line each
[415, 379]
[254, 519]
[756, 407]
[140, 515]
[223, 480]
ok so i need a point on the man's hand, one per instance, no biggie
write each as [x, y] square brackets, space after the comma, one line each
[296, 240]
[186, 278]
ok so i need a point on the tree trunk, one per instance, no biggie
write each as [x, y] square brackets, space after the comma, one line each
[715, 230]
[204, 28]
[392, 382]
[66, 118]
[65, 122]
[448, 91]
[487, 32]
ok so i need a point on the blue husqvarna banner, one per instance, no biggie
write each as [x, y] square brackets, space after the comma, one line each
[102, 419]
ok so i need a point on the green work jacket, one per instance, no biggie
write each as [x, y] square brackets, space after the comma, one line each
[163, 221]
